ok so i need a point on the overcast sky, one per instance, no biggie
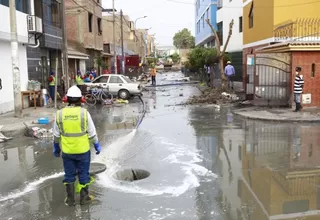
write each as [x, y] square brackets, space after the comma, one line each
[166, 17]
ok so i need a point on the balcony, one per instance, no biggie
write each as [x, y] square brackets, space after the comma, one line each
[300, 30]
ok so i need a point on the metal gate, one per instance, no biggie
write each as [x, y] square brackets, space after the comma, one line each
[272, 79]
[250, 75]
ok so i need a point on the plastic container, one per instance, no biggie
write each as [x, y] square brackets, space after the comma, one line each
[43, 121]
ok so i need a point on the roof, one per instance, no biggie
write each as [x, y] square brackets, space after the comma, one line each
[291, 46]
[74, 54]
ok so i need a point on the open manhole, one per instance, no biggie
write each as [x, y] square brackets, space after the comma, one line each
[131, 175]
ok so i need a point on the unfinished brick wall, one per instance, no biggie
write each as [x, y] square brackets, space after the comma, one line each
[311, 80]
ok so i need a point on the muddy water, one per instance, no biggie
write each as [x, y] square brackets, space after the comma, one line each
[204, 163]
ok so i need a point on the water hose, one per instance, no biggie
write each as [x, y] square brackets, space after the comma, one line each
[173, 84]
[143, 113]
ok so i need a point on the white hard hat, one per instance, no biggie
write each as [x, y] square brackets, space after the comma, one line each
[74, 91]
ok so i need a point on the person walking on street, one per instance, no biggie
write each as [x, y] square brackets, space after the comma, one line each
[74, 130]
[298, 88]
[153, 75]
[230, 73]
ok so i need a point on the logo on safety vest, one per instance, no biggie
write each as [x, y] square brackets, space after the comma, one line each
[71, 117]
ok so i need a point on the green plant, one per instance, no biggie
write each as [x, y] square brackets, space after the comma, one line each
[175, 58]
[183, 39]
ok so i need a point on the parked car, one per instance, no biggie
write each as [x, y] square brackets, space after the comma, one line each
[118, 85]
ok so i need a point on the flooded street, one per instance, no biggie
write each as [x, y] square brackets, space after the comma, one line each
[200, 162]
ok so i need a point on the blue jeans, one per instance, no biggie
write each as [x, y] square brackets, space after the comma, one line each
[297, 97]
[51, 91]
[76, 164]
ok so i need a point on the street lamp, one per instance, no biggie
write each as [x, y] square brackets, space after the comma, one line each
[135, 22]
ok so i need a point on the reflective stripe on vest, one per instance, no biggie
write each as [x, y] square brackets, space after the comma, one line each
[79, 80]
[53, 82]
[72, 123]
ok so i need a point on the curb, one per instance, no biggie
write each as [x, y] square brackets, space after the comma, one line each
[20, 130]
[278, 120]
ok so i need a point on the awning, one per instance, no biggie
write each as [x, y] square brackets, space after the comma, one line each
[290, 46]
[74, 54]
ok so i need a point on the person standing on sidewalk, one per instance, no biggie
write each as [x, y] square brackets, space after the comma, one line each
[80, 81]
[298, 88]
[52, 83]
[230, 73]
[74, 130]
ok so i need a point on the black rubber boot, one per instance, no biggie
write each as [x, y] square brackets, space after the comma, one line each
[84, 196]
[69, 200]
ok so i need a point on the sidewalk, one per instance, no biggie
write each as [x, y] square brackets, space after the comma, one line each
[280, 114]
[13, 126]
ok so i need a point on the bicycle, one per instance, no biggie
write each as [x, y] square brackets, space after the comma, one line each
[97, 95]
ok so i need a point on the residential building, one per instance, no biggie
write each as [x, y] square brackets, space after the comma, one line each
[205, 9]
[142, 43]
[151, 47]
[129, 38]
[84, 34]
[6, 78]
[229, 10]
[44, 48]
[279, 35]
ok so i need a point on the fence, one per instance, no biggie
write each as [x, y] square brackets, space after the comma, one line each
[307, 29]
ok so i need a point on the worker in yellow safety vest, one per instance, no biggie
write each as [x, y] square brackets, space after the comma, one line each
[74, 131]
[80, 80]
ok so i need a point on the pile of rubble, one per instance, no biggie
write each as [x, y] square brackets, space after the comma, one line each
[213, 96]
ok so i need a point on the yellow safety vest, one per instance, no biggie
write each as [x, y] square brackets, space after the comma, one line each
[53, 82]
[73, 124]
[79, 80]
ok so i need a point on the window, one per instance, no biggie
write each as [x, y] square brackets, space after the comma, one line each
[115, 79]
[90, 22]
[101, 79]
[251, 17]
[208, 13]
[313, 70]
[21, 5]
[55, 16]
[240, 24]
[203, 21]
[127, 79]
[99, 26]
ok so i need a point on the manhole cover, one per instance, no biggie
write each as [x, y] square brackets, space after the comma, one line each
[131, 175]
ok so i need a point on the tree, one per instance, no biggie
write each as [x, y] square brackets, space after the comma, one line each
[183, 39]
[221, 54]
[175, 58]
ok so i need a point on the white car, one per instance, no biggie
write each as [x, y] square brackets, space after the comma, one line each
[119, 85]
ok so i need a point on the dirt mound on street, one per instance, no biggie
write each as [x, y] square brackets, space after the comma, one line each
[212, 96]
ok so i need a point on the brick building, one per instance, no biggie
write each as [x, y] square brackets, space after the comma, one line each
[267, 25]
[84, 34]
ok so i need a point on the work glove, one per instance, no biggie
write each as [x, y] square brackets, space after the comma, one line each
[56, 149]
[97, 147]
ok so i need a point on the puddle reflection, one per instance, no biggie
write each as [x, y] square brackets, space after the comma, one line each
[268, 171]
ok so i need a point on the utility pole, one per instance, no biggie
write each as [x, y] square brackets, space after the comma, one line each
[122, 49]
[64, 51]
[15, 60]
[114, 39]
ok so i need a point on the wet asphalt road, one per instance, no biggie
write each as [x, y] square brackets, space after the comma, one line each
[205, 163]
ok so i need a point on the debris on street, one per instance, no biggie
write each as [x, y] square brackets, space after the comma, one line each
[2, 137]
[213, 96]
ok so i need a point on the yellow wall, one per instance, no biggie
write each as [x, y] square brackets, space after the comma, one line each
[262, 21]
[295, 9]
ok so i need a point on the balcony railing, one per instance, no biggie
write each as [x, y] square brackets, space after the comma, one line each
[301, 30]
